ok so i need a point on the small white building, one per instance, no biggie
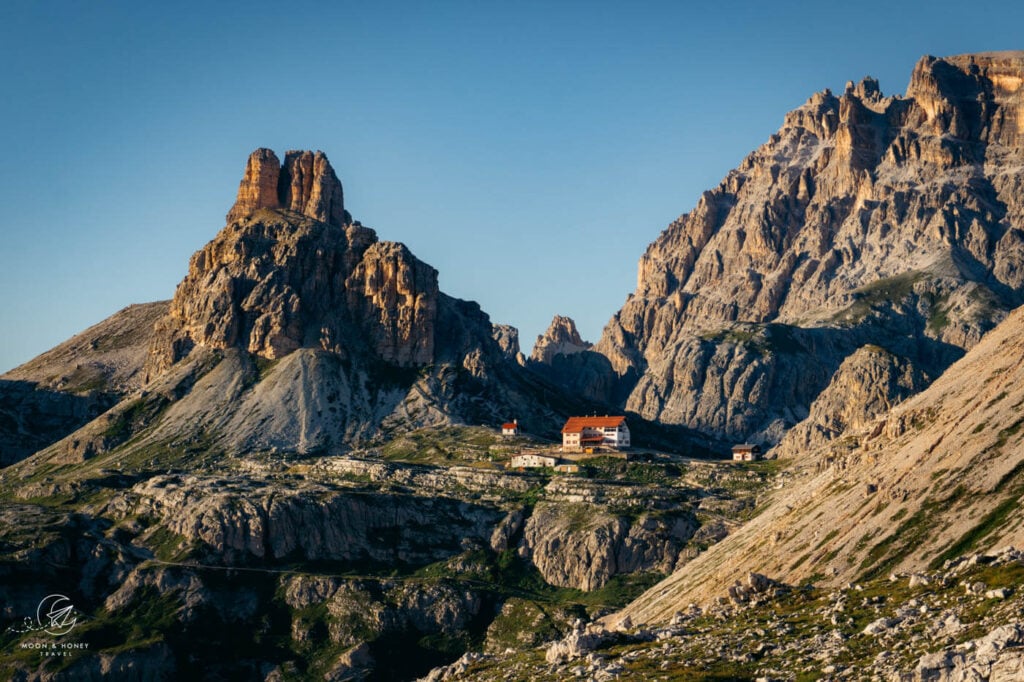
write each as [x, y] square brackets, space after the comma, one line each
[746, 452]
[580, 433]
[532, 461]
[510, 429]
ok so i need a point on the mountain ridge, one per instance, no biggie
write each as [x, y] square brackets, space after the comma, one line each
[894, 221]
[284, 443]
[303, 330]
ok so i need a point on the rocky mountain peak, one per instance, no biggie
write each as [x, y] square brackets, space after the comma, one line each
[324, 335]
[863, 215]
[972, 96]
[305, 183]
[291, 270]
[867, 90]
[561, 338]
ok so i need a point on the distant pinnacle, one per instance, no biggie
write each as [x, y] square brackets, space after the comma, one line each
[561, 338]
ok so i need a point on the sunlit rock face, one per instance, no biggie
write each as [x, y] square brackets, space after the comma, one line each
[291, 270]
[305, 184]
[896, 221]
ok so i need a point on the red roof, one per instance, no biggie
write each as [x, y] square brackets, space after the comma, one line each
[509, 425]
[577, 424]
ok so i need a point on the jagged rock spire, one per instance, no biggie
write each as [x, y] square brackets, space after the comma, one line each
[561, 338]
[306, 184]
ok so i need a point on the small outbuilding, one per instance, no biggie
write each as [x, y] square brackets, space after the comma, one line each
[532, 461]
[510, 429]
[746, 452]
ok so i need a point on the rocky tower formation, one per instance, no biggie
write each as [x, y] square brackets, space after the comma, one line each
[302, 331]
[507, 337]
[306, 184]
[561, 338]
[291, 270]
[897, 221]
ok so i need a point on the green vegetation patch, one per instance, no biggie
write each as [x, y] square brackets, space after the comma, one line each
[938, 312]
[994, 520]
[902, 541]
[1009, 432]
[525, 623]
[880, 293]
[85, 379]
[990, 523]
[617, 469]
[451, 445]
[761, 339]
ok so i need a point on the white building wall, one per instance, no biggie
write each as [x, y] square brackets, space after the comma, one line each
[532, 461]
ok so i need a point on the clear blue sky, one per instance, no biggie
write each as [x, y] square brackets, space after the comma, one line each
[527, 150]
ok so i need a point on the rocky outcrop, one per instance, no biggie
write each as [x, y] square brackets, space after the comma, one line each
[373, 607]
[863, 214]
[578, 643]
[274, 283]
[258, 188]
[561, 338]
[507, 337]
[330, 336]
[868, 384]
[564, 358]
[291, 270]
[576, 545]
[996, 656]
[236, 524]
[396, 298]
[309, 186]
[305, 184]
[352, 664]
[971, 96]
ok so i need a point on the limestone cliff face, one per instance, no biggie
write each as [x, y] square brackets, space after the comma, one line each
[396, 297]
[327, 335]
[863, 214]
[292, 271]
[305, 184]
[316, 523]
[507, 337]
[868, 384]
[585, 553]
